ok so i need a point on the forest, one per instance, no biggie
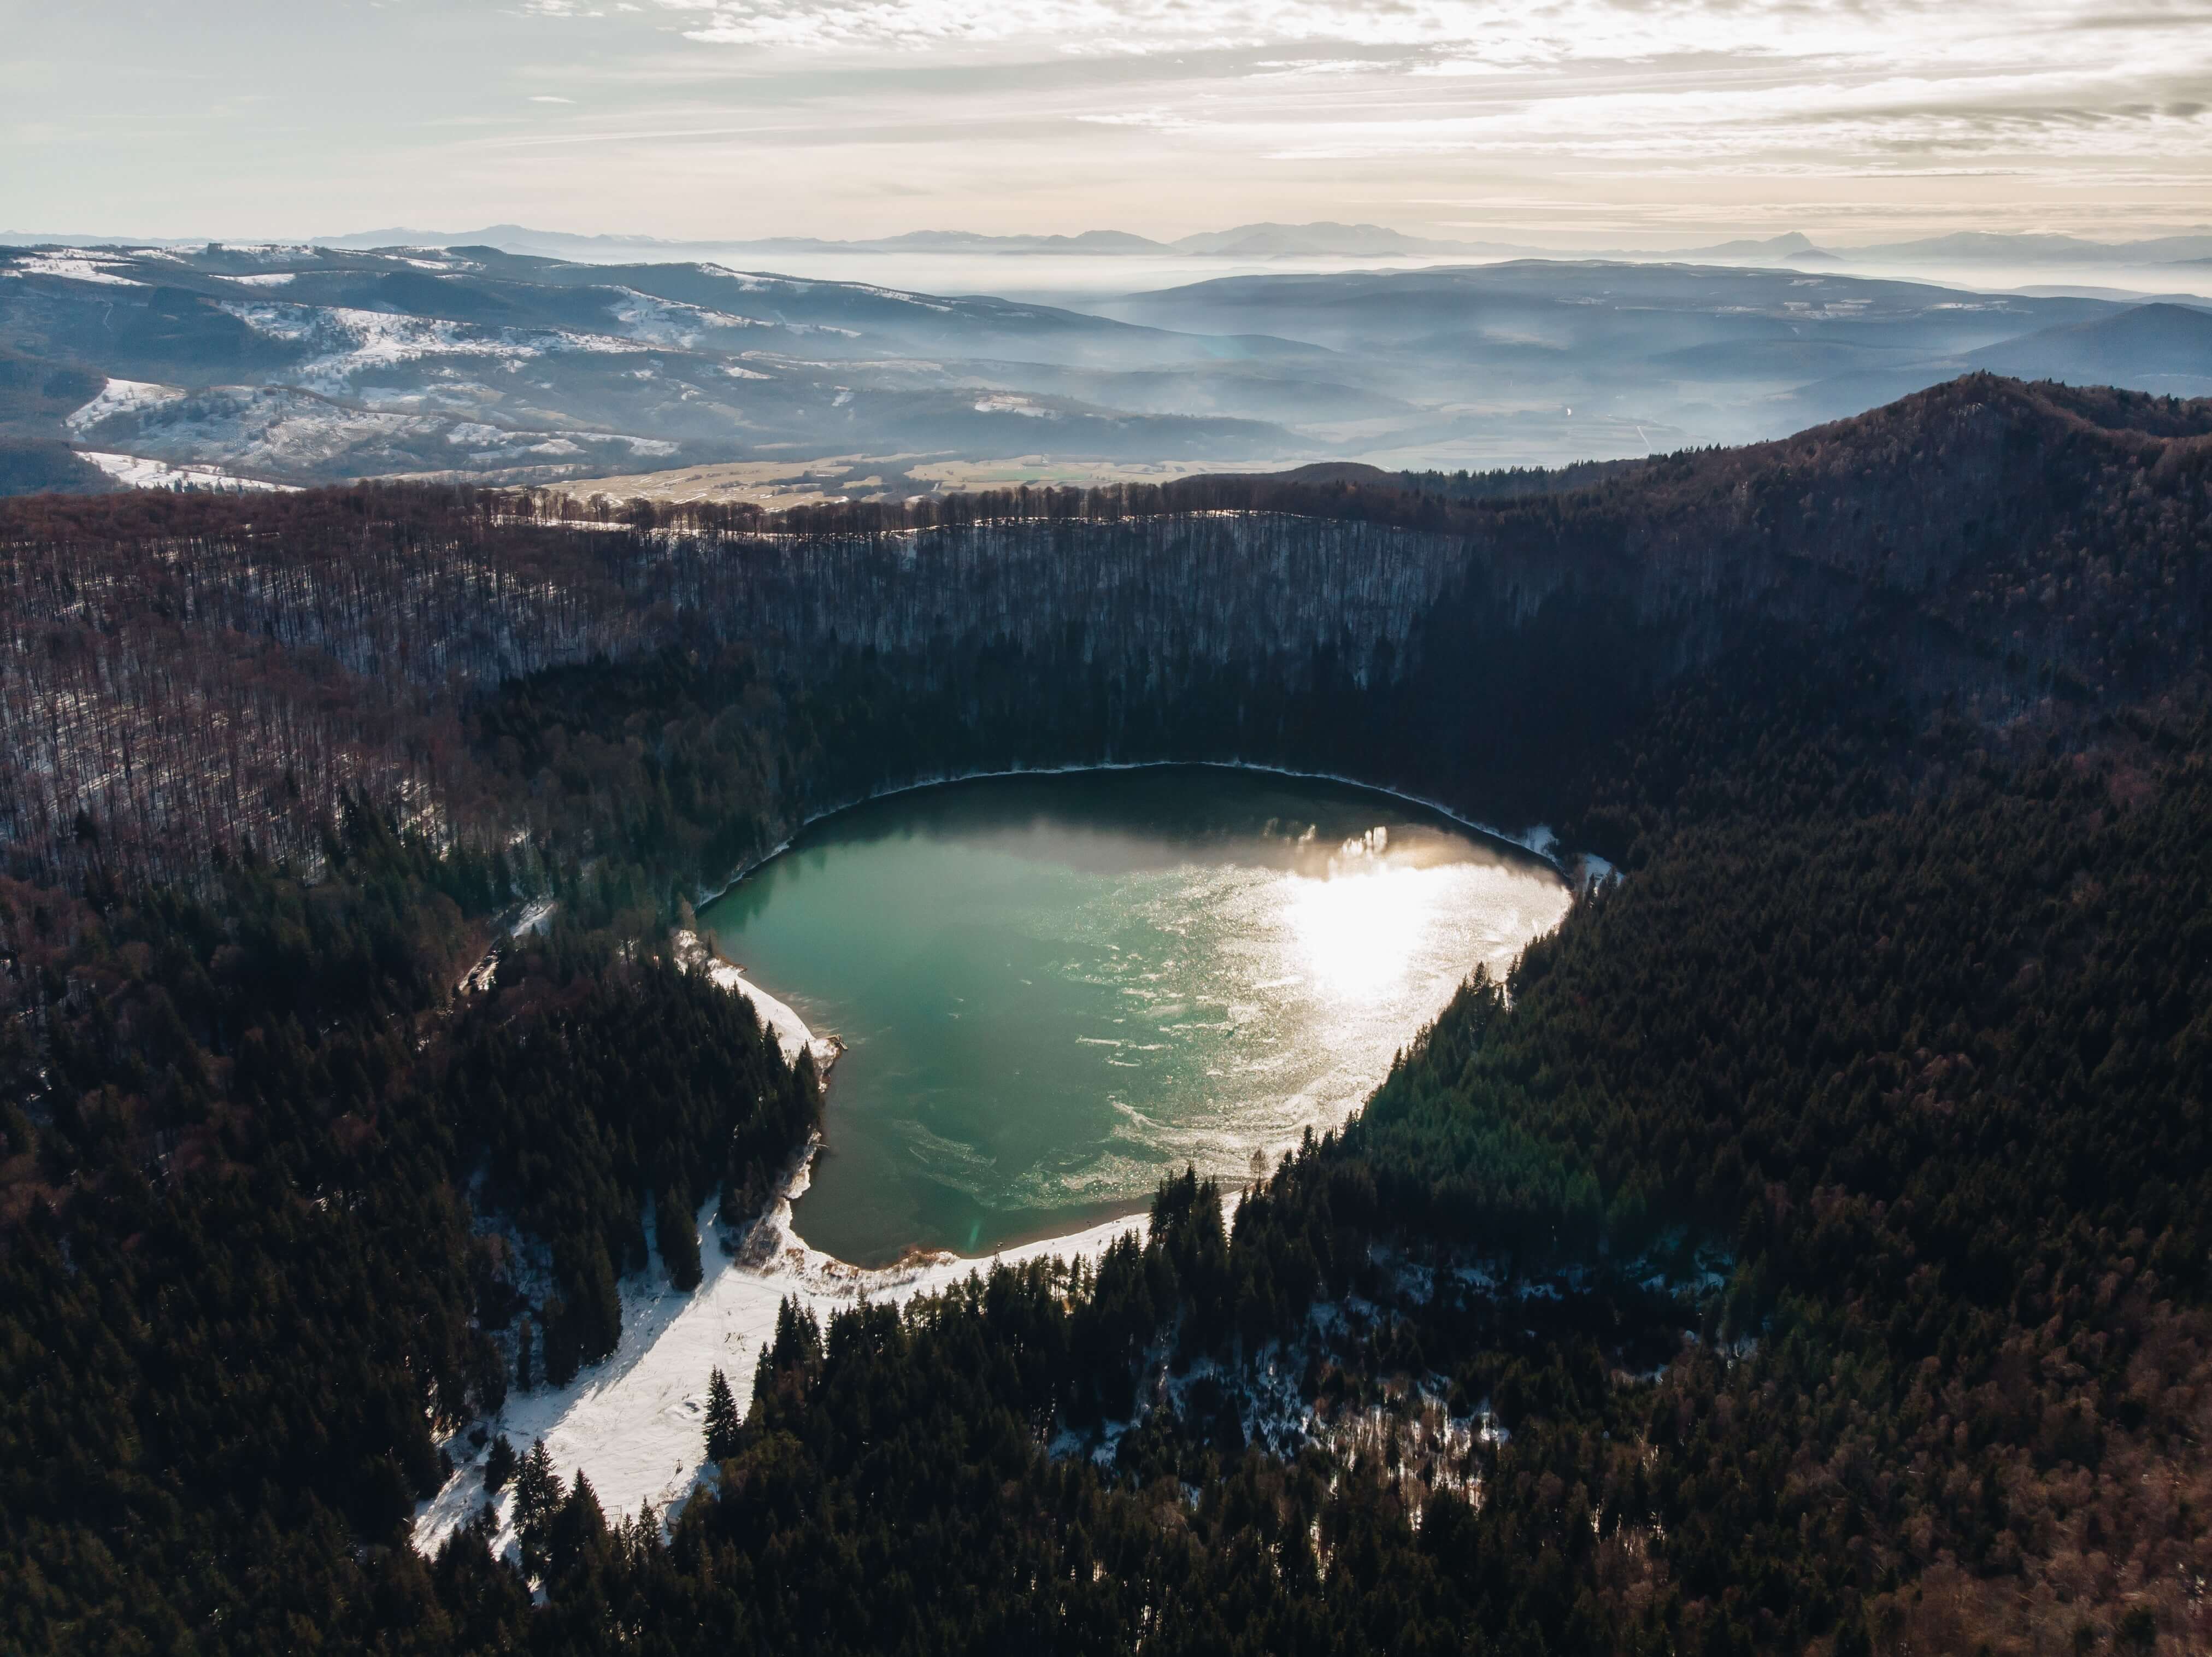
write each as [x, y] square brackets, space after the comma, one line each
[1901, 1007]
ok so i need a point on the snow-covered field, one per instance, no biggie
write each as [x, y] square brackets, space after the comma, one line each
[121, 397]
[76, 264]
[136, 472]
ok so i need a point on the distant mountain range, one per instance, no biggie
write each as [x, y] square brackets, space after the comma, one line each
[1971, 246]
[1244, 242]
[1321, 240]
[307, 365]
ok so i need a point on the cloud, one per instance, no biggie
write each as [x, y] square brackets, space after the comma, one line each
[1160, 121]
[796, 114]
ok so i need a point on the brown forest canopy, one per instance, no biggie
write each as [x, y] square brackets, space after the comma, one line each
[194, 670]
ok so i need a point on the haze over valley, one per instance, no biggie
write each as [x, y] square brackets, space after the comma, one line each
[311, 364]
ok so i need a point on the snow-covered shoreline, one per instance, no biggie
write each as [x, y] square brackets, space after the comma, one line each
[692, 954]
[1578, 868]
[634, 1421]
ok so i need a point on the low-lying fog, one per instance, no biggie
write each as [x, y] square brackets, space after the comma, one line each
[825, 372]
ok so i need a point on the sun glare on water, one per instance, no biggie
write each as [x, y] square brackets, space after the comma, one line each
[1051, 992]
[1357, 929]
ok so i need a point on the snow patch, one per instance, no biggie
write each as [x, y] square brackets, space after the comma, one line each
[791, 1032]
[634, 1421]
[135, 471]
[122, 397]
[76, 265]
[1012, 403]
[653, 320]
[346, 341]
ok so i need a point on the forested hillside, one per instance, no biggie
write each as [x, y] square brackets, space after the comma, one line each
[197, 671]
[1901, 1012]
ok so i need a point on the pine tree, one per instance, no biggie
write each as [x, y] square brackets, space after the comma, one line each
[522, 1379]
[679, 1240]
[537, 1486]
[560, 1361]
[537, 1498]
[798, 1335]
[499, 1464]
[722, 1419]
[578, 1531]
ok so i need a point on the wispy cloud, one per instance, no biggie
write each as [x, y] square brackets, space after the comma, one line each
[1162, 115]
[1159, 120]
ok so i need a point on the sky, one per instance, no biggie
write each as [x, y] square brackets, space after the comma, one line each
[1573, 122]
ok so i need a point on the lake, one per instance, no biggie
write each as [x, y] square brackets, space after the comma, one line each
[1053, 990]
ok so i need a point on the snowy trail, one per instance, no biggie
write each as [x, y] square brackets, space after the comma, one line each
[634, 1421]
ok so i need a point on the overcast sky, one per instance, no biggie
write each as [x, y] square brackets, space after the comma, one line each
[1574, 122]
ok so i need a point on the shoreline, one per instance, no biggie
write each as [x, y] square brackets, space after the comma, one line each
[633, 1421]
[1578, 869]
[694, 954]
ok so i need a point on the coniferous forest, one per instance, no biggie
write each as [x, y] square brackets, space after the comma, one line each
[1807, 1248]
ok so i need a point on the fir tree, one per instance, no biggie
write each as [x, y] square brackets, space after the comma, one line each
[499, 1464]
[522, 1366]
[679, 1240]
[722, 1419]
[577, 1533]
[537, 1497]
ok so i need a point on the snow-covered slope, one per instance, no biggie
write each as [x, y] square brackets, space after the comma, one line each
[635, 1423]
[312, 365]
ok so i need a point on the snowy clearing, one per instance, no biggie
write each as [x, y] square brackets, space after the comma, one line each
[122, 397]
[634, 1421]
[136, 472]
[76, 266]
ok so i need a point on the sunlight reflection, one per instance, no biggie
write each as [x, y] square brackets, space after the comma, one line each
[1358, 932]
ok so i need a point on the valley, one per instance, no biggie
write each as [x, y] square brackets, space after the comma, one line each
[296, 366]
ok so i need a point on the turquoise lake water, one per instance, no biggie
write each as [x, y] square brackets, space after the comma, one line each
[1054, 990]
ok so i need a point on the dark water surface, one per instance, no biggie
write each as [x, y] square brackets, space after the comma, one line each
[1054, 988]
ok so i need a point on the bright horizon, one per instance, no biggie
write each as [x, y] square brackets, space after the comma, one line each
[1580, 123]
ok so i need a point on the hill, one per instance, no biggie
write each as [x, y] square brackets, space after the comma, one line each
[2156, 347]
[308, 365]
[301, 365]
